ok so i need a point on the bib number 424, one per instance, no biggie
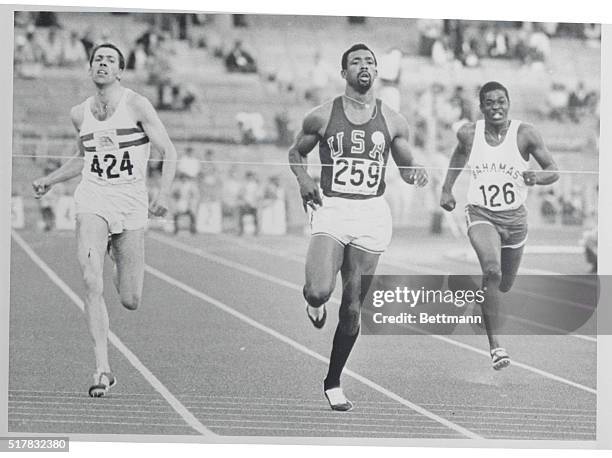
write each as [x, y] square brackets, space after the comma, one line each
[110, 163]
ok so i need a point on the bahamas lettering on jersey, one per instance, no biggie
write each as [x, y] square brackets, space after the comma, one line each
[497, 168]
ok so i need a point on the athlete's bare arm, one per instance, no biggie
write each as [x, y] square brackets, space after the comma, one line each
[69, 169]
[155, 130]
[530, 142]
[305, 140]
[410, 171]
[465, 138]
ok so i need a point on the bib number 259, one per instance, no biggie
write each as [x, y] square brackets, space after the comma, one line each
[356, 176]
[109, 166]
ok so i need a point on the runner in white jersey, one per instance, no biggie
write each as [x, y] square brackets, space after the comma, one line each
[497, 151]
[116, 128]
[351, 222]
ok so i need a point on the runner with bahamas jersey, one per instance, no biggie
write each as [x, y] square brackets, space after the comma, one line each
[351, 222]
[497, 190]
[497, 151]
[116, 128]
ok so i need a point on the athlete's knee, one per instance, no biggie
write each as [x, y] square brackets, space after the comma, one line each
[131, 300]
[317, 295]
[349, 321]
[492, 273]
[92, 274]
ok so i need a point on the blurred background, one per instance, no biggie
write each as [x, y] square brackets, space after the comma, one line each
[232, 91]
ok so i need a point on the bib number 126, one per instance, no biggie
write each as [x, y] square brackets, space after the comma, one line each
[110, 165]
[493, 194]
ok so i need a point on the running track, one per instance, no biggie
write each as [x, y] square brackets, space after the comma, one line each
[221, 346]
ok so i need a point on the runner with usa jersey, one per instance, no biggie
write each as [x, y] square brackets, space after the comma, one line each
[351, 221]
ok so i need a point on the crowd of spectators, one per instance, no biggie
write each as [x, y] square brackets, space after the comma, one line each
[37, 48]
[466, 43]
[212, 198]
[575, 105]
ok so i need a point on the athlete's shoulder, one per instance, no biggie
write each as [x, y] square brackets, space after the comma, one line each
[396, 122]
[526, 129]
[137, 102]
[77, 114]
[317, 118]
[465, 134]
[528, 137]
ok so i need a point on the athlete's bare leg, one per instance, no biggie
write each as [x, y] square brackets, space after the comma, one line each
[510, 262]
[323, 262]
[356, 263]
[487, 244]
[92, 238]
[128, 254]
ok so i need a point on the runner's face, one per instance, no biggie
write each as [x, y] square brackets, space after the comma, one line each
[495, 107]
[360, 70]
[105, 66]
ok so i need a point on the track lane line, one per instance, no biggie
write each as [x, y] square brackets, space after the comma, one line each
[279, 281]
[287, 340]
[187, 416]
[422, 270]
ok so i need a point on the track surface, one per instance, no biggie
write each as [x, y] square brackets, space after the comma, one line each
[221, 345]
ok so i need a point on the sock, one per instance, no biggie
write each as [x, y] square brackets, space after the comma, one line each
[316, 312]
[341, 349]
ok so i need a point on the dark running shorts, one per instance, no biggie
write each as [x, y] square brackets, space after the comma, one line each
[510, 224]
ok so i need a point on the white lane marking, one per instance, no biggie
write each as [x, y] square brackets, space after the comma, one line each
[226, 308]
[235, 265]
[424, 270]
[189, 418]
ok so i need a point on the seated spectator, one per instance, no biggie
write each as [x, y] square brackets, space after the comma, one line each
[462, 104]
[577, 102]
[318, 80]
[248, 200]
[184, 97]
[498, 47]
[273, 208]
[28, 56]
[539, 47]
[74, 54]
[137, 59]
[88, 41]
[47, 19]
[592, 33]
[430, 30]
[284, 131]
[441, 54]
[557, 101]
[251, 127]
[188, 165]
[53, 48]
[240, 61]
[186, 201]
[389, 73]
[149, 39]
[230, 193]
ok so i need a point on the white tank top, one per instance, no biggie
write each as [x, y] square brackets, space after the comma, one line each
[116, 149]
[496, 172]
